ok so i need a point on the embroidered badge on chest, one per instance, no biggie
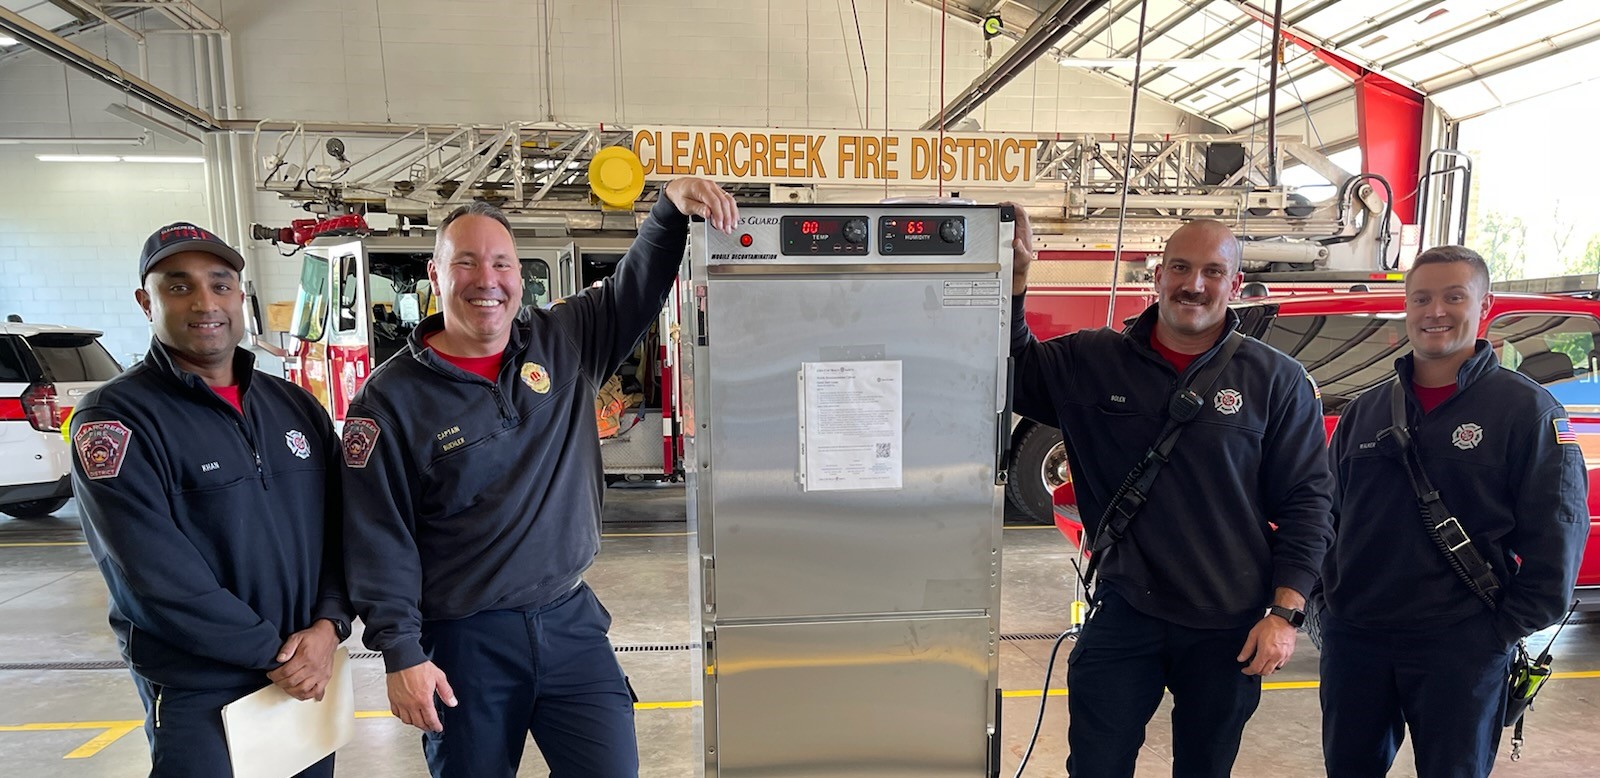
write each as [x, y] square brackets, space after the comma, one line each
[536, 377]
[102, 445]
[360, 435]
[1467, 436]
[298, 445]
[1228, 401]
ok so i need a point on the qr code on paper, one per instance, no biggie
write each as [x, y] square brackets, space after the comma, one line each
[882, 450]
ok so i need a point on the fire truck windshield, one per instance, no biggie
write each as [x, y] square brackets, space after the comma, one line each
[311, 301]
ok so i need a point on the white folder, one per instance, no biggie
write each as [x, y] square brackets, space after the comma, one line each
[273, 735]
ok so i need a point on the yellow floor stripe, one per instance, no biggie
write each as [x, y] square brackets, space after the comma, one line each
[98, 743]
[675, 705]
[112, 731]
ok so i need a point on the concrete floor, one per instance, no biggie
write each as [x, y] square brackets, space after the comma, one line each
[82, 722]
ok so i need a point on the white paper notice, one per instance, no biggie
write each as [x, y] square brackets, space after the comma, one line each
[851, 417]
[273, 735]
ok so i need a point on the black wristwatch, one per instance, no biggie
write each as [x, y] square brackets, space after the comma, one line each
[341, 628]
[1294, 616]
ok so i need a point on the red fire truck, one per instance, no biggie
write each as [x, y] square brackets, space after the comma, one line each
[359, 298]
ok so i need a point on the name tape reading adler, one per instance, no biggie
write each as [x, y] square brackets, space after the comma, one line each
[834, 156]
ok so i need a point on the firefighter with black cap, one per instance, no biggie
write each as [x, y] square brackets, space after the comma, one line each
[1427, 599]
[211, 504]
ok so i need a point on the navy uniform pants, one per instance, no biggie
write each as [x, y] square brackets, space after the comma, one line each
[549, 672]
[185, 731]
[1447, 684]
[1115, 677]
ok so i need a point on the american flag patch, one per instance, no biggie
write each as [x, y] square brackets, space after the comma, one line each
[1564, 433]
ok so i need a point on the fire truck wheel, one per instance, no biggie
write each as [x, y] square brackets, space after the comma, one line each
[1038, 466]
[33, 509]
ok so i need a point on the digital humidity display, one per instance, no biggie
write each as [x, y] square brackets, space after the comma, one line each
[922, 235]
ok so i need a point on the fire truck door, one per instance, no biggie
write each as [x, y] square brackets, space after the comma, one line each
[350, 330]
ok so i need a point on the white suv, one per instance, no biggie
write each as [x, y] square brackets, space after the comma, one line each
[45, 370]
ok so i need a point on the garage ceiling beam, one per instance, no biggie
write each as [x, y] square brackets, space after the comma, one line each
[1489, 22]
[1204, 45]
[49, 43]
[1162, 29]
[1526, 54]
[71, 8]
[1048, 30]
[89, 8]
[961, 13]
[1087, 36]
[1337, 45]
[1289, 21]
[68, 30]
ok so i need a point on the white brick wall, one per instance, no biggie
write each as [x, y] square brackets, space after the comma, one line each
[70, 235]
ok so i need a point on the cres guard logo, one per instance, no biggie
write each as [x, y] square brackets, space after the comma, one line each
[360, 435]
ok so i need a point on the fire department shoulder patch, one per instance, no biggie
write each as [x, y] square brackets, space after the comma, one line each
[360, 435]
[1467, 436]
[102, 446]
[1228, 401]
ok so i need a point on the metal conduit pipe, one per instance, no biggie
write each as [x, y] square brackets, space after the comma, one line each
[243, 164]
[102, 69]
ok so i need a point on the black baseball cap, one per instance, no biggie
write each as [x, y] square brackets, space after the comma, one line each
[183, 236]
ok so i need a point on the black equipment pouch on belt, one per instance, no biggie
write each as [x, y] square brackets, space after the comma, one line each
[1184, 406]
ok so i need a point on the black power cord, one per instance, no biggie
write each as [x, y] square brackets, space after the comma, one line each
[1044, 698]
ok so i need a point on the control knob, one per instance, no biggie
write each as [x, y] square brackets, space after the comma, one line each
[855, 231]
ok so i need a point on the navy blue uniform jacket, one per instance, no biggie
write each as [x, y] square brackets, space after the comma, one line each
[1492, 450]
[218, 533]
[1202, 552]
[465, 495]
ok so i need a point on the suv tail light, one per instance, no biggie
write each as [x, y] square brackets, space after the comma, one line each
[42, 410]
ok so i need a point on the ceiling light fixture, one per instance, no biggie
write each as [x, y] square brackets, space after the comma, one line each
[1209, 64]
[63, 141]
[169, 160]
[77, 157]
[150, 123]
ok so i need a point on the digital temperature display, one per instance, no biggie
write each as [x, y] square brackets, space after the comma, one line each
[922, 235]
[818, 226]
[825, 236]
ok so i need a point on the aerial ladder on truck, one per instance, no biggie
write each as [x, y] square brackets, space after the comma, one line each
[371, 192]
